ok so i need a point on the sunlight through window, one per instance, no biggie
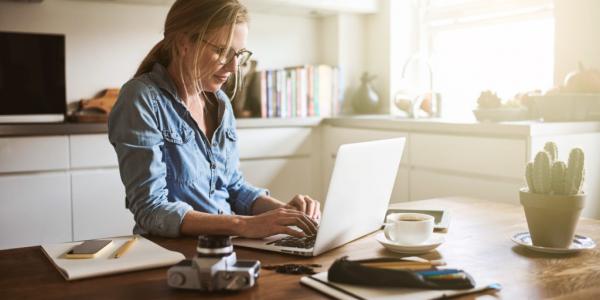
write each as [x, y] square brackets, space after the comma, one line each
[509, 50]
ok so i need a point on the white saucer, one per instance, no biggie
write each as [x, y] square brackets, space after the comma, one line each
[580, 243]
[434, 241]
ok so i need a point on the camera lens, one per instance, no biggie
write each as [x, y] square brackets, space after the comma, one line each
[214, 245]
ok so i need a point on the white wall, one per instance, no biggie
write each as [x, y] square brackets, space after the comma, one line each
[379, 33]
[342, 43]
[352, 54]
[105, 42]
[577, 24]
[391, 40]
[280, 41]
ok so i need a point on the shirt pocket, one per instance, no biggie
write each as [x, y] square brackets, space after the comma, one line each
[231, 160]
[231, 142]
[178, 137]
[180, 155]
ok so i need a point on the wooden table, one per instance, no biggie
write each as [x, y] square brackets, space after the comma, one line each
[478, 241]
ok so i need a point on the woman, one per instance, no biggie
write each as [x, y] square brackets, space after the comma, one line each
[174, 133]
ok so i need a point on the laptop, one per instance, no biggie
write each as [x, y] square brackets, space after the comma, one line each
[359, 193]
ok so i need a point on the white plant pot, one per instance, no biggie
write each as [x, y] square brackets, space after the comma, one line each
[551, 219]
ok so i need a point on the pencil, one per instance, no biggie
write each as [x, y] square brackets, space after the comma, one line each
[405, 265]
[126, 246]
[439, 272]
[447, 276]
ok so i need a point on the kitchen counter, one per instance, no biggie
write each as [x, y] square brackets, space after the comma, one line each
[67, 128]
[447, 126]
[42, 129]
[382, 122]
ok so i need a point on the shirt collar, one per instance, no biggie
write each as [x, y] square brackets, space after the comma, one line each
[161, 77]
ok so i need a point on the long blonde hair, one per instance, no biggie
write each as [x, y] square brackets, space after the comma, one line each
[193, 19]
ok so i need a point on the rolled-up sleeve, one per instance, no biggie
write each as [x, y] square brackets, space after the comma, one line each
[133, 131]
[242, 194]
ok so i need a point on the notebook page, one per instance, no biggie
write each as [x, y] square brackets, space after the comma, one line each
[144, 254]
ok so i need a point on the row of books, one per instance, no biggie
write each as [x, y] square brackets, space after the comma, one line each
[303, 91]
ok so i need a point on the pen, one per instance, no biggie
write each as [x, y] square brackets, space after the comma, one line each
[439, 272]
[401, 265]
[447, 276]
[126, 246]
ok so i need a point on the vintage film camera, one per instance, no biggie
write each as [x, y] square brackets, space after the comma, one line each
[215, 268]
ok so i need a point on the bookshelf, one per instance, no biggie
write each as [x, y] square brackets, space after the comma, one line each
[291, 92]
[289, 33]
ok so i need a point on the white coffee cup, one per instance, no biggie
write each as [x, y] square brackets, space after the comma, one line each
[408, 228]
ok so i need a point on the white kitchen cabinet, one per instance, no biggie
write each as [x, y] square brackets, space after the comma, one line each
[26, 154]
[256, 143]
[400, 193]
[99, 205]
[501, 157]
[426, 184]
[35, 209]
[60, 188]
[283, 177]
[440, 165]
[91, 151]
[334, 137]
[283, 159]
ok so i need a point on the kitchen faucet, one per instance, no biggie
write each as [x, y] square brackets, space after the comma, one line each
[415, 101]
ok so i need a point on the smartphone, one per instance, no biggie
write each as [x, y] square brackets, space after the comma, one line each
[88, 249]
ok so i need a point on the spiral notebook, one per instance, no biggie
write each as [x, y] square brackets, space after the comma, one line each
[341, 291]
[144, 254]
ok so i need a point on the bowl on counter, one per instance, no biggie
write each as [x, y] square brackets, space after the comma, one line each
[568, 107]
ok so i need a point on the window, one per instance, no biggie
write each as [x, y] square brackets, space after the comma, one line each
[504, 46]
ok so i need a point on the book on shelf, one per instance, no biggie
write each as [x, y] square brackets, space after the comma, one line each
[299, 91]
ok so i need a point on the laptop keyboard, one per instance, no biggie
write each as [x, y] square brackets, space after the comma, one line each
[306, 242]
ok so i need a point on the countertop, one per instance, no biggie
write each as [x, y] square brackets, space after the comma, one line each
[382, 122]
[66, 128]
[449, 126]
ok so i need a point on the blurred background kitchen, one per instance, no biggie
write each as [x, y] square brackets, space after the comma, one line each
[476, 86]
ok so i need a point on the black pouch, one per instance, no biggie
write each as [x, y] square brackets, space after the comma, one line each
[354, 272]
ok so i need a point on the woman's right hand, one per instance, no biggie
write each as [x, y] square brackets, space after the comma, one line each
[277, 221]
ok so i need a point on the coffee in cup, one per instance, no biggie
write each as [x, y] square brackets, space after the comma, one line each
[408, 228]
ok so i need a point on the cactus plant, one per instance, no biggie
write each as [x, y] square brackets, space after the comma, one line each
[558, 177]
[541, 173]
[552, 150]
[547, 175]
[529, 177]
[575, 173]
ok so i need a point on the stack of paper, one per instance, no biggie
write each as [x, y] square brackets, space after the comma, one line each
[144, 254]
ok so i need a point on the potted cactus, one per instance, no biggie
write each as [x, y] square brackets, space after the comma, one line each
[554, 198]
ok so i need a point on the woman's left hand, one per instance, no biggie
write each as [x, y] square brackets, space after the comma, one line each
[307, 205]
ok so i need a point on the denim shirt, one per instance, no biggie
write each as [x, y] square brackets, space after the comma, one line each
[166, 162]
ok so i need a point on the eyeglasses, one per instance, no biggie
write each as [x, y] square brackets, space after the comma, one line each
[242, 55]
